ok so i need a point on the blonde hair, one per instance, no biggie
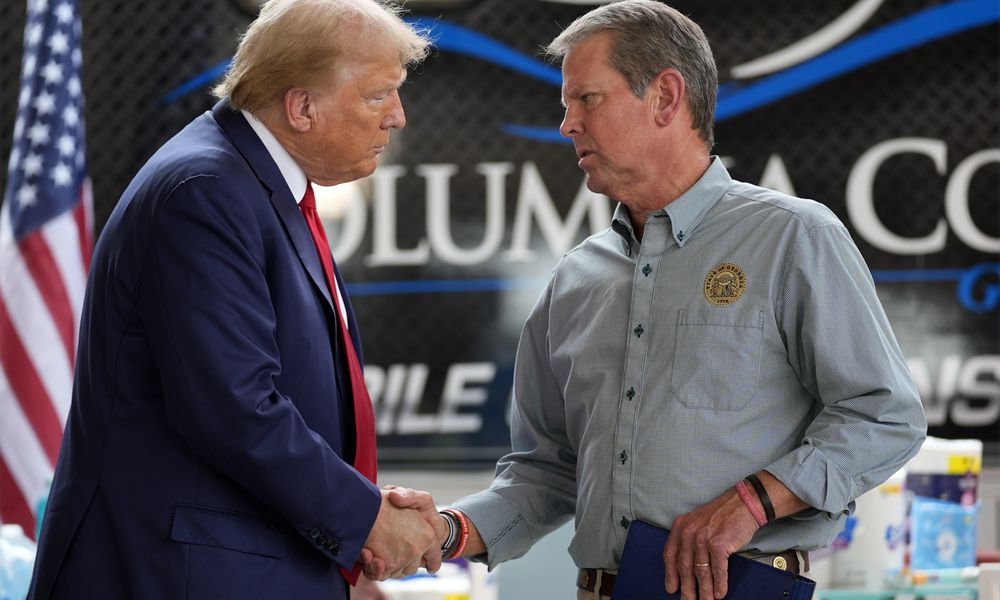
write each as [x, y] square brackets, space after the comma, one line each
[298, 42]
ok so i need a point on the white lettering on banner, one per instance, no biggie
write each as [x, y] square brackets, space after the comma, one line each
[534, 205]
[861, 201]
[457, 394]
[385, 252]
[775, 176]
[591, 212]
[355, 221]
[397, 392]
[956, 201]
[533, 199]
[968, 392]
[964, 391]
[439, 213]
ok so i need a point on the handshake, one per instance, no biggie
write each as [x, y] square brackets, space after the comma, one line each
[408, 534]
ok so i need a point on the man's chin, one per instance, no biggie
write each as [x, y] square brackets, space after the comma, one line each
[593, 184]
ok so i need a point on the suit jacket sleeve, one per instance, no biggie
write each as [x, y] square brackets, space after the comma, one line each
[212, 329]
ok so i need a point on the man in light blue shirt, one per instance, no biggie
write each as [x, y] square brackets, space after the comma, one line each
[716, 331]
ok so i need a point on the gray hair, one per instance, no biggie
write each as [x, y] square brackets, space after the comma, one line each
[298, 42]
[648, 37]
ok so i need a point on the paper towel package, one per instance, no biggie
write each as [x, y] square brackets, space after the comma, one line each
[946, 470]
[943, 535]
[871, 547]
[941, 490]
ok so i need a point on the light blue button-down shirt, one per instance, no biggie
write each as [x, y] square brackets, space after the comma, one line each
[742, 333]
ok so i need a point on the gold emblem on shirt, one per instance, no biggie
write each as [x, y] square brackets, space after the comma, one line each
[725, 284]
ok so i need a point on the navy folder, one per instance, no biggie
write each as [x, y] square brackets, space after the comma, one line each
[641, 572]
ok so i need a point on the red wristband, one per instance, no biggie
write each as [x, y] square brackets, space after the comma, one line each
[747, 497]
[463, 536]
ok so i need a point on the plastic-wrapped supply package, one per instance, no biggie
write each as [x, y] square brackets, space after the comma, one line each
[943, 534]
[17, 557]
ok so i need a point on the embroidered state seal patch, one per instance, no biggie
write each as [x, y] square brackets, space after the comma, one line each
[725, 284]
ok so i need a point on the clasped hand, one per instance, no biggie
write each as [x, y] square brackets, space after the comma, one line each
[407, 535]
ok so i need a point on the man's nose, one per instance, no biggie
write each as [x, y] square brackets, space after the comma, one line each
[571, 125]
[396, 118]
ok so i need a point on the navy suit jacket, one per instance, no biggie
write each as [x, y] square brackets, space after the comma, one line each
[207, 449]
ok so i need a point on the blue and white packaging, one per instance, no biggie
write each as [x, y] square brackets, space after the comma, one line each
[17, 559]
[942, 534]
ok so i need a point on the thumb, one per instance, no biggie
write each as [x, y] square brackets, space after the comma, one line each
[401, 498]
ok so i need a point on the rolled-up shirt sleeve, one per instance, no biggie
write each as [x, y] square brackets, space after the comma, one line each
[838, 338]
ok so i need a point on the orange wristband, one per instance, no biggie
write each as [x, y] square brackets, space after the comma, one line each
[463, 536]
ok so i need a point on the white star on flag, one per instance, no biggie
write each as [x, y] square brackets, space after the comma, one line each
[32, 165]
[35, 34]
[62, 175]
[27, 195]
[59, 43]
[52, 72]
[71, 116]
[64, 13]
[66, 145]
[38, 134]
[45, 103]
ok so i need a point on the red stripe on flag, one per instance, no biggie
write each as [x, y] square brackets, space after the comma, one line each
[27, 387]
[45, 272]
[80, 214]
[13, 507]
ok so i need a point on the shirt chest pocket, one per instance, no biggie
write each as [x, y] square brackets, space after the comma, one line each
[717, 358]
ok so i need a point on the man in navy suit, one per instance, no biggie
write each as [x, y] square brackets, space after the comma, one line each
[210, 451]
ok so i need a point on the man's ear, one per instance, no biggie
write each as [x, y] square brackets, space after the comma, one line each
[298, 109]
[668, 93]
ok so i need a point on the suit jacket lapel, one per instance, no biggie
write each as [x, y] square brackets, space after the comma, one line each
[249, 145]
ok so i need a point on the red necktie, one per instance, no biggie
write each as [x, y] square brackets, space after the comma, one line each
[365, 460]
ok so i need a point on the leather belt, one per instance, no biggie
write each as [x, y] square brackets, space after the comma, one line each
[588, 579]
[785, 561]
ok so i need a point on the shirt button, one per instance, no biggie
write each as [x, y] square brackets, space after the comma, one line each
[623, 456]
[638, 331]
[647, 270]
[630, 394]
[680, 236]
[624, 523]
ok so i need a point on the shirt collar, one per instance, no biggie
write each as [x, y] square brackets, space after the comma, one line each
[687, 211]
[294, 176]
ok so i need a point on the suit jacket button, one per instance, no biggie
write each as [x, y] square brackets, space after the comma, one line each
[335, 549]
[314, 532]
[323, 539]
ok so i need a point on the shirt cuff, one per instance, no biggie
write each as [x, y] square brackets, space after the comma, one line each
[500, 525]
[816, 480]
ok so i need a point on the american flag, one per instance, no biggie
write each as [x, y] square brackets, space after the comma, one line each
[45, 245]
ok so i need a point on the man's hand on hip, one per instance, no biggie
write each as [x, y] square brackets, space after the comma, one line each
[697, 553]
